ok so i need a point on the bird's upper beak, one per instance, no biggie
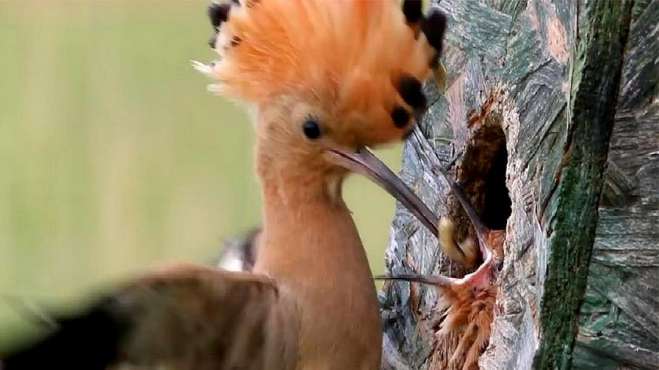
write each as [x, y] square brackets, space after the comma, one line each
[366, 163]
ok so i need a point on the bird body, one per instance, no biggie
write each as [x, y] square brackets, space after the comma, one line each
[466, 306]
[328, 273]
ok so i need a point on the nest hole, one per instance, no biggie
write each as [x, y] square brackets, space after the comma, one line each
[482, 173]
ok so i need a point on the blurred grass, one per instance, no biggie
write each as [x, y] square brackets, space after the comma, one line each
[113, 156]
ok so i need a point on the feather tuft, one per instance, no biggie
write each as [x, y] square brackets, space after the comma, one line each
[202, 67]
[351, 53]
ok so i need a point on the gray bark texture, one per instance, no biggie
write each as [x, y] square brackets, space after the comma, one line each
[556, 99]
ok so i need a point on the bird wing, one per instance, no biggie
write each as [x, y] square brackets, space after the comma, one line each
[187, 317]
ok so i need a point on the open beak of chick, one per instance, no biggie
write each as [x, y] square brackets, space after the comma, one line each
[364, 162]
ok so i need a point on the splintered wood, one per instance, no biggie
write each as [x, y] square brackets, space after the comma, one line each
[548, 74]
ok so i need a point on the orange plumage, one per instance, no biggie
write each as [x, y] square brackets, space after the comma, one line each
[346, 56]
[466, 308]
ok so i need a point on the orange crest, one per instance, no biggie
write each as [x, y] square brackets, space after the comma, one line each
[363, 55]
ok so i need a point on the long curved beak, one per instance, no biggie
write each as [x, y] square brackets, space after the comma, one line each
[366, 163]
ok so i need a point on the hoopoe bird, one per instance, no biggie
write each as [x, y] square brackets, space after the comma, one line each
[466, 305]
[325, 80]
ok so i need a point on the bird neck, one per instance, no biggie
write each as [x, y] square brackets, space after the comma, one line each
[311, 247]
[308, 231]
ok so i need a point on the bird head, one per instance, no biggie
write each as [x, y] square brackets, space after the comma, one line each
[326, 79]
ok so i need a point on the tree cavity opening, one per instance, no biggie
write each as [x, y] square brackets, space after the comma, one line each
[482, 173]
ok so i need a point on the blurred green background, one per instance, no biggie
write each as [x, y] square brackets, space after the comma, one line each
[113, 156]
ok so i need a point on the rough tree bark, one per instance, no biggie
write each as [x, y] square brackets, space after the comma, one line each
[533, 92]
[619, 323]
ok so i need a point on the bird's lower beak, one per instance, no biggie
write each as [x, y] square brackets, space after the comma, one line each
[366, 163]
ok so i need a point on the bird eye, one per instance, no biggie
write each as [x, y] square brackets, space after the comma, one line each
[311, 129]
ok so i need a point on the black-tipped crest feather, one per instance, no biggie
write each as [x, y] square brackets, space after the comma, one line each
[413, 10]
[410, 90]
[434, 27]
[218, 14]
[400, 117]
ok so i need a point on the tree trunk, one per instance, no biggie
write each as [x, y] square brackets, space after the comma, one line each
[533, 93]
[619, 323]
